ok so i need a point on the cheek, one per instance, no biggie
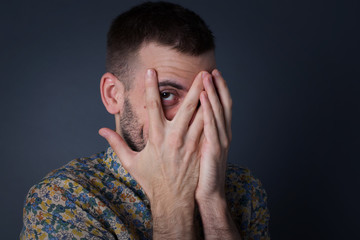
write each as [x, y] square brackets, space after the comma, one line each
[137, 101]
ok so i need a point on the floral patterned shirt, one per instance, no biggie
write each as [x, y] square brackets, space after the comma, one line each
[96, 198]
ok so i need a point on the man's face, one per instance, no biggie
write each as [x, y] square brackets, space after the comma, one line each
[175, 71]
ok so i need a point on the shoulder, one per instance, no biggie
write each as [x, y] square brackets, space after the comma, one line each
[239, 178]
[242, 184]
[247, 200]
[76, 173]
[71, 179]
[78, 166]
[58, 204]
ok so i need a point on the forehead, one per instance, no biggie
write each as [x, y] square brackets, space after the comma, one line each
[171, 64]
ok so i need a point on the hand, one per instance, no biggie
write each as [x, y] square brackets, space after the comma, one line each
[216, 103]
[210, 193]
[168, 167]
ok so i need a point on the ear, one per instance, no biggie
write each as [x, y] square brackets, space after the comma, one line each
[112, 93]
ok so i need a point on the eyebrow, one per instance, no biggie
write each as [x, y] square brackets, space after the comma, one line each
[172, 84]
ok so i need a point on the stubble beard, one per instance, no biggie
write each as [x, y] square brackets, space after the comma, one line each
[131, 129]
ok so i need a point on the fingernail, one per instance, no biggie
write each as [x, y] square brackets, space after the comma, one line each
[208, 80]
[217, 73]
[203, 74]
[150, 72]
[102, 133]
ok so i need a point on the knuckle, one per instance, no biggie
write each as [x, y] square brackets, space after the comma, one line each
[217, 149]
[153, 104]
[225, 143]
[111, 139]
[189, 107]
[219, 109]
[210, 122]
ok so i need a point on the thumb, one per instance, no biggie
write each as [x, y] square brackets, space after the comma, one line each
[120, 147]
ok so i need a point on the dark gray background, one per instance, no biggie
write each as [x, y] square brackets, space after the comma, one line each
[293, 70]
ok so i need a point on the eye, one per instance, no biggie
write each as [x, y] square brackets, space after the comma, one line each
[168, 98]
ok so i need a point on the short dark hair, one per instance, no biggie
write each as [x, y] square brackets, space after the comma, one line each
[165, 23]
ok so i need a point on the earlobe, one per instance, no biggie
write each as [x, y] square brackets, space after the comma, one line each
[112, 93]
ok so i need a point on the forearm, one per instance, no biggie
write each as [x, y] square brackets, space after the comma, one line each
[217, 220]
[174, 221]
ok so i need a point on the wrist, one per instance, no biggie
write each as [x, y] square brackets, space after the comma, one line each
[215, 213]
[168, 207]
[216, 218]
[213, 205]
[214, 199]
[173, 219]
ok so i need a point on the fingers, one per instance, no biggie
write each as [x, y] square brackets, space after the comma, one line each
[210, 129]
[187, 108]
[217, 108]
[120, 147]
[225, 99]
[153, 102]
[196, 126]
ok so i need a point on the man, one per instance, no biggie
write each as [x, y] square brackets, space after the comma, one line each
[164, 175]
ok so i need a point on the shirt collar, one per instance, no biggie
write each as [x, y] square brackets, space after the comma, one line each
[113, 163]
